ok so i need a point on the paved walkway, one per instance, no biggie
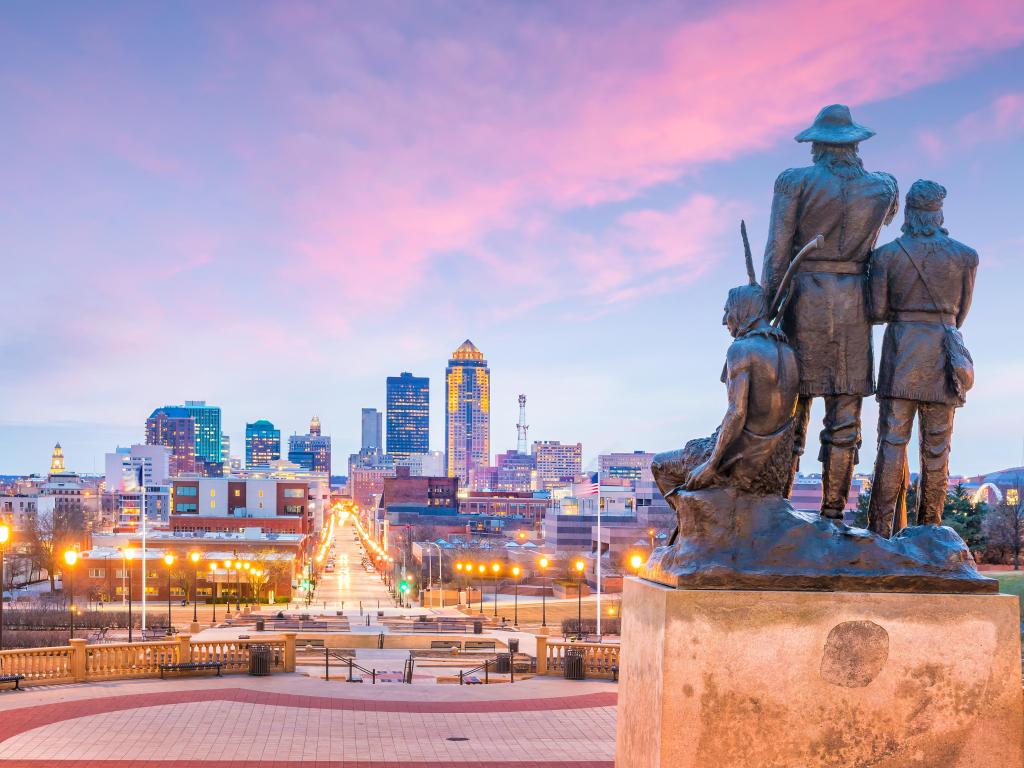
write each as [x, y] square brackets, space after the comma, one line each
[287, 720]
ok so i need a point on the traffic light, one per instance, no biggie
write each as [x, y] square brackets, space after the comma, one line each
[403, 586]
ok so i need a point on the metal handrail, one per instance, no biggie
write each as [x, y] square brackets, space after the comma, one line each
[328, 653]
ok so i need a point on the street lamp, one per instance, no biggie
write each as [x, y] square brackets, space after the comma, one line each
[496, 569]
[481, 570]
[543, 563]
[579, 565]
[650, 532]
[636, 561]
[5, 535]
[127, 564]
[169, 561]
[213, 581]
[194, 557]
[70, 558]
[516, 570]
[238, 585]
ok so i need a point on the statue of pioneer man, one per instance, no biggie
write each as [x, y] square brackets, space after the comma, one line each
[827, 319]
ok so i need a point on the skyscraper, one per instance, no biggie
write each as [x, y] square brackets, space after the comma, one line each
[557, 463]
[467, 412]
[209, 460]
[173, 426]
[372, 438]
[262, 444]
[408, 406]
[312, 451]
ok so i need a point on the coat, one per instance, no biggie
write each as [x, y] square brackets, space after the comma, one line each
[913, 365]
[827, 319]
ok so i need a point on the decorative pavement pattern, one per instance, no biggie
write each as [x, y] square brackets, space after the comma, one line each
[238, 722]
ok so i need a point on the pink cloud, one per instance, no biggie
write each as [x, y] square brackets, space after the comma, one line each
[466, 134]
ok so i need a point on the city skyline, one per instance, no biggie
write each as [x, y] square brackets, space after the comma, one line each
[572, 214]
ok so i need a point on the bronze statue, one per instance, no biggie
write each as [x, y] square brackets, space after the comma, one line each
[827, 318]
[921, 285]
[751, 450]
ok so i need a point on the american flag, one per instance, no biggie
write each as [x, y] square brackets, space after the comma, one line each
[589, 489]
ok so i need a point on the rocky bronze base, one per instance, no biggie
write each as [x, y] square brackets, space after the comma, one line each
[732, 540]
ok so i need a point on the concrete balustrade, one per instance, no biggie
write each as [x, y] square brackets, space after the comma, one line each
[80, 662]
[599, 659]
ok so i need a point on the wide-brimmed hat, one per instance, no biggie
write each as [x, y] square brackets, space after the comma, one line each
[834, 125]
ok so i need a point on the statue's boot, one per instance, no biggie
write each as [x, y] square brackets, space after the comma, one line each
[837, 475]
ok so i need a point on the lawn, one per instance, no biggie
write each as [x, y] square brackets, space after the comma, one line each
[1010, 583]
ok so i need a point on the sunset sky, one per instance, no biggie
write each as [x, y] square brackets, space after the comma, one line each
[274, 206]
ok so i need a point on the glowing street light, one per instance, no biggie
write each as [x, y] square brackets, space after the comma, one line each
[636, 561]
[169, 561]
[194, 557]
[516, 571]
[543, 564]
[213, 581]
[579, 566]
[5, 536]
[70, 559]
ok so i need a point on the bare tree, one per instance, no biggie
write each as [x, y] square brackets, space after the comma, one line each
[47, 538]
[1004, 532]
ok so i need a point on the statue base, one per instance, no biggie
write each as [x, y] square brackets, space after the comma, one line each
[733, 540]
[735, 679]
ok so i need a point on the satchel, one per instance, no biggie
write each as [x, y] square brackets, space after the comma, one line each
[959, 363]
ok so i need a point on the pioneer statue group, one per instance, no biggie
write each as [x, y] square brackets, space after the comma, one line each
[804, 331]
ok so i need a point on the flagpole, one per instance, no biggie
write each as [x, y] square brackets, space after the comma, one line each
[598, 552]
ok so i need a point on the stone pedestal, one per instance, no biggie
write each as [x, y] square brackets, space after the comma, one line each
[737, 679]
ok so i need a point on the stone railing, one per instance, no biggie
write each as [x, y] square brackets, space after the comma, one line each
[599, 659]
[80, 662]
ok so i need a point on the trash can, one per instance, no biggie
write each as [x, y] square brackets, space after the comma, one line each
[574, 664]
[478, 627]
[260, 624]
[513, 645]
[259, 660]
[503, 663]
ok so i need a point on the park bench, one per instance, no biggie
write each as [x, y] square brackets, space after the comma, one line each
[445, 644]
[479, 645]
[190, 666]
[16, 679]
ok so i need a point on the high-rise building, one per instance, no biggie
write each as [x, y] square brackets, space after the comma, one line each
[408, 407]
[173, 426]
[629, 466]
[225, 449]
[467, 411]
[262, 444]
[557, 463]
[312, 451]
[372, 437]
[209, 459]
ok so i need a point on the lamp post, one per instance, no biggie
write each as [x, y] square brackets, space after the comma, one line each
[5, 535]
[543, 563]
[70, 558]
[635, 562]
[194, 557]
[247, 567]
[481, 570]
[128, 567]
[458, 567]
[516, 570]
[579, 565]
[213, 580]
[238, 586]
[650, 532]
[495, 570]
[169, 561]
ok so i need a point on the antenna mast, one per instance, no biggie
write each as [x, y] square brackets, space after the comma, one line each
[522, 426]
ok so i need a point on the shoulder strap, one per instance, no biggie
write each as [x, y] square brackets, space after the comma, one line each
[920, 272]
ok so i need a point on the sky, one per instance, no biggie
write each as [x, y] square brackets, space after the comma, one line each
[274, 206]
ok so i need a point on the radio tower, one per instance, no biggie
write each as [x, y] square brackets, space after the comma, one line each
[522, 426]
